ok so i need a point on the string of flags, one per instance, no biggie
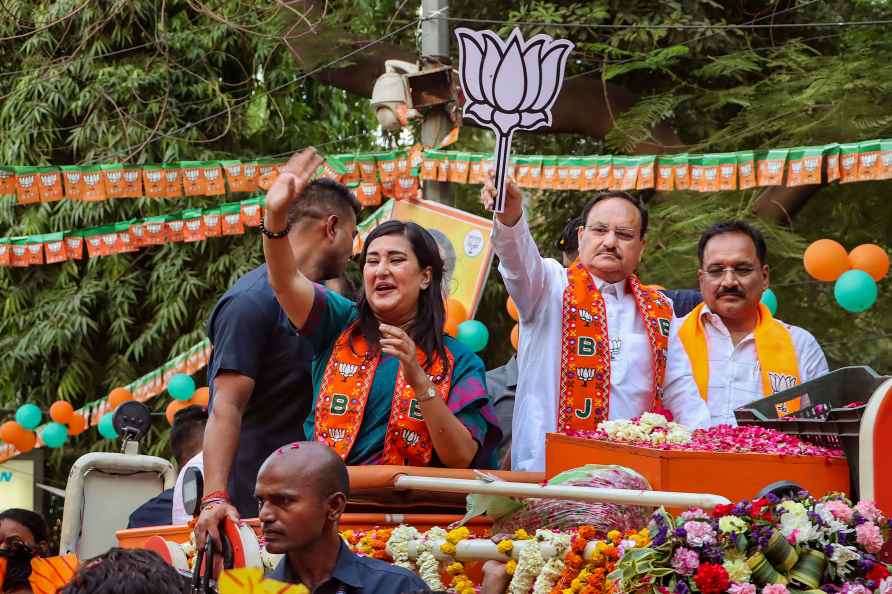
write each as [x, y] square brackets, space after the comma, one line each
[190, 225]
[395, 174]
[143, 389]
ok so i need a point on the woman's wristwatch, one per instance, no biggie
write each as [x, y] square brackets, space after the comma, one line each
[429, 394]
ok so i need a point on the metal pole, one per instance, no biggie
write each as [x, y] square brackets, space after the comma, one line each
[605, 495]
[435, 49]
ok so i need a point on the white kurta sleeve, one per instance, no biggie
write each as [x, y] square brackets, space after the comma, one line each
[527, 275]
[680, 393]
[812, 362]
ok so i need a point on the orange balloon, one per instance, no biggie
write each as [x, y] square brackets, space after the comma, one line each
[10, 431]
[77, 424]
[61, 411]
[174, 407]
[450, 327]
[826, 260]
[201, 396]
[870, 258]
[455, 311]
[512, 310]
[26, 441]
[515, 336]
[118, 396]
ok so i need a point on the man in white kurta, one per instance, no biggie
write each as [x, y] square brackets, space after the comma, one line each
[733, 276]
[610, 243]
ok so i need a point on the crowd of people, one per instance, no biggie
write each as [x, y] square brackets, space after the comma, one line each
[377, 380]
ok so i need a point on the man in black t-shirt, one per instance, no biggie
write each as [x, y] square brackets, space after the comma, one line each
[259, 372]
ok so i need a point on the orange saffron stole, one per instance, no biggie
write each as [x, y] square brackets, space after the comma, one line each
[51, 574]
[344, 394]
[774, 348]
[584, 399]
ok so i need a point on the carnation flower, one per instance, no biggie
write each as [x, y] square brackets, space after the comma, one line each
[775, 589]
[738, 570]
[869, 511]
[732, 524]
[885, 586]
[854, 588]
[685, 561]
[840, 510]
[712, 578]
[742, 589]
[694, 513]
[699, 533]
[869, 537]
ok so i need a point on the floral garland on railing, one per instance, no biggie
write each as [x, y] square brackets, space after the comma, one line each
[766, 546]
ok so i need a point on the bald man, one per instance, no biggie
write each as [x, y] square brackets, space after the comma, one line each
[302, 491]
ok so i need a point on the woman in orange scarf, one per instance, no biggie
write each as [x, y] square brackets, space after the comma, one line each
[390, 386]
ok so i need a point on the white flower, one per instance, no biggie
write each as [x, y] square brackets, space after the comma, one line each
[841, 556]
[650, 420]
[398, 545]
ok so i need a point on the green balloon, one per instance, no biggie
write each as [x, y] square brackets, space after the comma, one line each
[107, 427]
[770, 301]
[473, 334]
[28, 416]
[55, 435]
[181, 387]
[855, 291]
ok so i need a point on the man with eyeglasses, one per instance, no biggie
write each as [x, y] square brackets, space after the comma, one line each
[593, 338]
[731, 345]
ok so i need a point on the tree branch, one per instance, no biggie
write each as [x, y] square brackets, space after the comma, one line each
[586, 106]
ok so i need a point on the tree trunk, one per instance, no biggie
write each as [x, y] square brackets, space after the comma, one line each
[315, 46]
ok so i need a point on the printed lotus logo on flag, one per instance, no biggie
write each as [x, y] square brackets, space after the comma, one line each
[337, 434]
[410, 437]
[212, 174]
[131, 176]
[34, 248]
[48, 179]
[74, 176]
[250, 170]
[211, 220]
[347, 370]
[811, 164]
[171, 176]
[154, 176]
[26, 181]
[113, 176]
[232, 219]
[54, 246]
[193, 224]
[509, 85]
[191, 174]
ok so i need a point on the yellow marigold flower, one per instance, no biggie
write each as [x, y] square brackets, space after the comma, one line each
[347, 534]
[601, 546]
[447, 548]
[468, 591]
[614, 536]
[597, 558]
[521, 534]
[567, 591]
[510, 567]
[505, 546]
[644, 532]
[455, 568]
[457, 535]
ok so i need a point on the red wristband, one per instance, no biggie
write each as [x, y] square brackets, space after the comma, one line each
[216, 495]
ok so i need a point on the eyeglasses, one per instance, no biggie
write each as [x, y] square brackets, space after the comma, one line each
[716, 273]
[622, 233]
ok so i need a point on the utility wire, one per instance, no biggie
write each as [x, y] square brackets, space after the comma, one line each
[633, 26]
[292, 82]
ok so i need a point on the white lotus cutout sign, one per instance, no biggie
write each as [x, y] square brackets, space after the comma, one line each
[509, 85]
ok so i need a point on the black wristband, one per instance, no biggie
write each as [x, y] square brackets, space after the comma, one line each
[276, 234]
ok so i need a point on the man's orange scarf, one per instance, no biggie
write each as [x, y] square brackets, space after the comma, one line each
[585, 348]
[340, 405]
[774, 348]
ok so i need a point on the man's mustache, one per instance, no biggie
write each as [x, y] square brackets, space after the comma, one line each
[613, 253]
[734, 292]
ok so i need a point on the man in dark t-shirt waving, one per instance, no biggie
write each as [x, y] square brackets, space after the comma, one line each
[259, 372]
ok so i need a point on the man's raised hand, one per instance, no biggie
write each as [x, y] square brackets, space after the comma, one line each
[292, 179]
